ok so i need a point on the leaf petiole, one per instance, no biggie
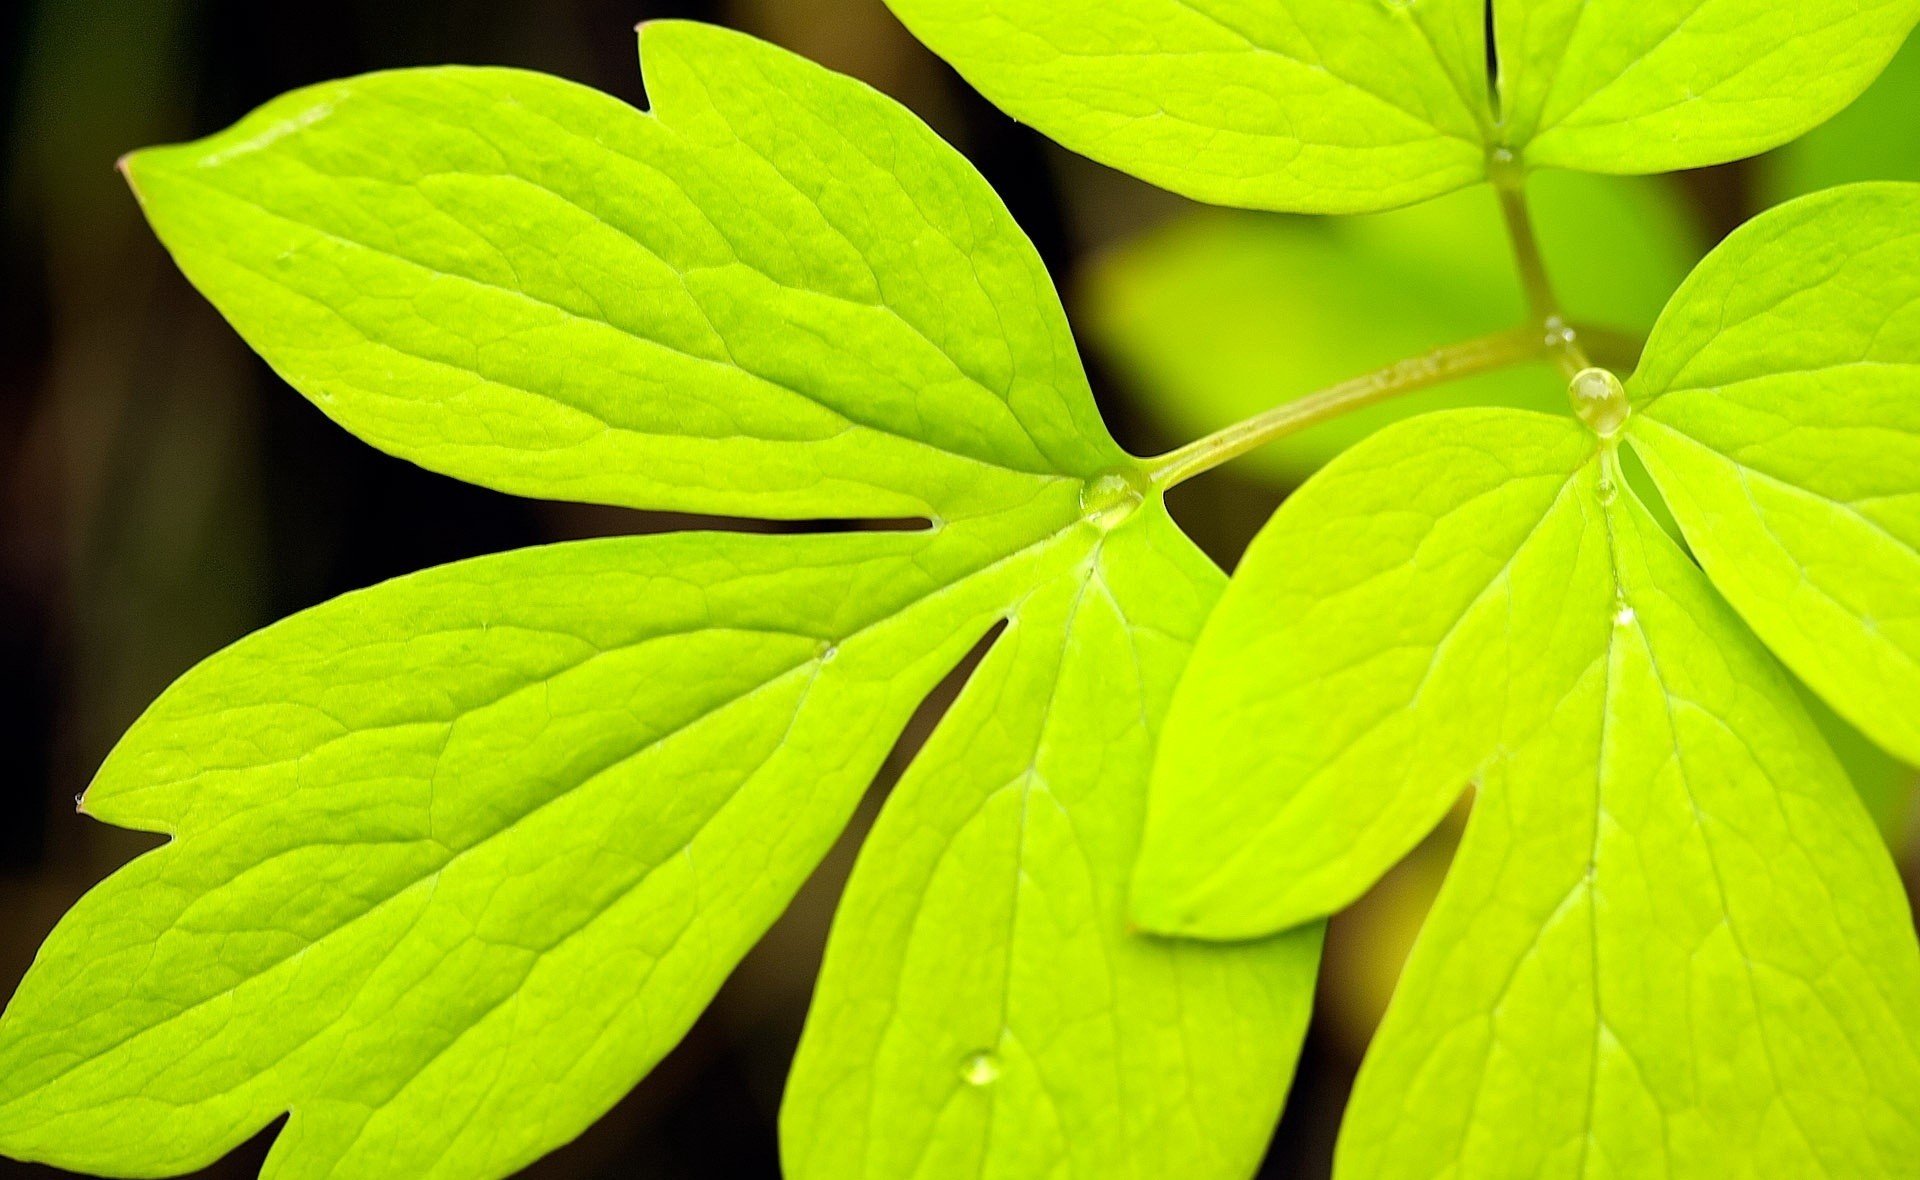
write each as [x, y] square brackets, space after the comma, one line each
[1562, 340]
[1478, 355]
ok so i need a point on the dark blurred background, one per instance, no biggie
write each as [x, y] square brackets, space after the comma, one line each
[162, 493]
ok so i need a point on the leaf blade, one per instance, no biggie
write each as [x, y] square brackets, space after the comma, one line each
[1671, 937]
[1778, 418]
[1620, 86]
[1004, 1022]
[742, 273]
[1296, 106]
[1319, 678]
[369, 905]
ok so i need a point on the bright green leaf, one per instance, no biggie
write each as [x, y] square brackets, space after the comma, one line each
[1270, 104]
[1671, 943]
[1403, 615]
[1217, 316]
[1780, 415]
[1877, 138]
[457, 858]
[519, 281]
[1660, 85]
[1345, 106]
[982, 1010]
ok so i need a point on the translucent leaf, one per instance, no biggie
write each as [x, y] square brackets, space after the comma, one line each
[1300, 105]
[454, 860]
[525, 283]
[1661, 85]
[982, 1010]
[1877, 138]
[458, 857]
[1402, 615]
[1345, 106]
[1780, 416]
[1671, 943]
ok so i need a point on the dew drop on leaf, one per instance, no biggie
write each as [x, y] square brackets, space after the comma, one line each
[1109, 499]
[1600, 401]
[1607, 491]
[980, 1069]
[1623, 615]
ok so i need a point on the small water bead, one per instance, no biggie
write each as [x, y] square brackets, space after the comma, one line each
[1600, 401]
[1607, 491]
[1623, 615]
[980, 1069]
[1107, 501]
[1503, 167]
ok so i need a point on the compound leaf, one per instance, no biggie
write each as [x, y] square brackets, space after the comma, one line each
[1270, 104]
[1216, 316]
[457, 858]
[1780, 416]
[528, 808]
[1319, 106]
[1671, 943]
[522, 282]
[1402, 615]
[1660, 85]
[982, 1010]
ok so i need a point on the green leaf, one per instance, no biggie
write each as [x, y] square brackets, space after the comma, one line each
[1280, 104]
[1216, 316]
[1661, 85]
[1316, 106]
[1876, 138]
[522, 282]
[1671, 943]
[1779, 412]
[455, 859]
[980, 963]
[1404, 613]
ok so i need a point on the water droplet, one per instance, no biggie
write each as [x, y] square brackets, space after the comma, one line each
[1623, 615]
[980, 1069]
[1559, 333]
[1600, 401]
[828, 651]
[1607, 491]
[1110, 499]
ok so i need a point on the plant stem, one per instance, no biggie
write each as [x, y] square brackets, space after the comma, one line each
[1559, 336]
[1478, 355]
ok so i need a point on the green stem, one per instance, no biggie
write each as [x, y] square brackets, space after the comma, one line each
[1558, 336]
[1478, 355]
